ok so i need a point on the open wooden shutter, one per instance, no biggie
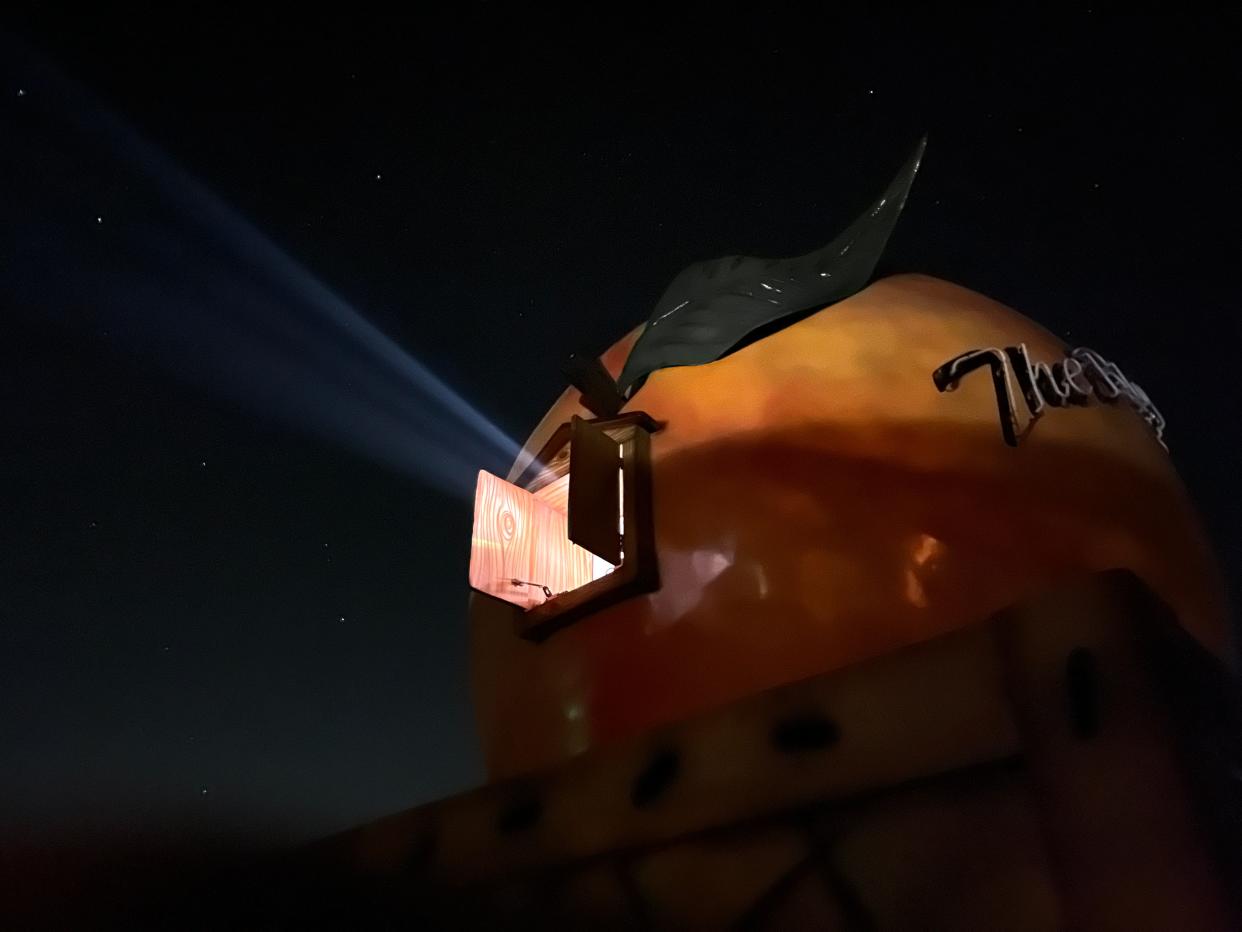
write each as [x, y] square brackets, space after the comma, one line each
[594, 491]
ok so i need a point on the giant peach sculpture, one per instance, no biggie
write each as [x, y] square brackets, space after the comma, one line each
[787, 471]
[855, 605]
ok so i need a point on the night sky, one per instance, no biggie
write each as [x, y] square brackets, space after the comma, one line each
[220, 618]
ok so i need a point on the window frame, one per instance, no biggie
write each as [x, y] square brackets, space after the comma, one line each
[638, 572]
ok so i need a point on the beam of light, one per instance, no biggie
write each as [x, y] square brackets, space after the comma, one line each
[173, 273]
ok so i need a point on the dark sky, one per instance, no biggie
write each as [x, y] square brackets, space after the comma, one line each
[493, 193]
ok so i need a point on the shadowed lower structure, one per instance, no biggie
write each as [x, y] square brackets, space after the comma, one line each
[1065, 764]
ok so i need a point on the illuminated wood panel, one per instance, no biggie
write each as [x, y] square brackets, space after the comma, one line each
[556, 494]
[518, 535]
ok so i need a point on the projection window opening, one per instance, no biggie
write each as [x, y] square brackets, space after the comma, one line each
[573, 532]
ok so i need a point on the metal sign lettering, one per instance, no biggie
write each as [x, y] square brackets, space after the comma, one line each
[1071, 381]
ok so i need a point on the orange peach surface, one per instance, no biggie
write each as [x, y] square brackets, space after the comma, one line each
[818, 502]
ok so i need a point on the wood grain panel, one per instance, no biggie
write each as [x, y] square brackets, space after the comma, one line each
[517, 535]
[556, 494]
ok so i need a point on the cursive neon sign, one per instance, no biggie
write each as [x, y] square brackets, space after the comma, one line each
[1070, 381]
